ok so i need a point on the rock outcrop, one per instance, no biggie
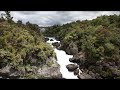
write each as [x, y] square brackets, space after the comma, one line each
[50, 71]
[56, 44]
[71, 67]
[46, 39]
[76, 72]
[78, 58]
[84, 76]
[71, 49]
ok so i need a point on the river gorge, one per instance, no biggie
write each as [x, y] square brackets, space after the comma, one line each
[62, 60]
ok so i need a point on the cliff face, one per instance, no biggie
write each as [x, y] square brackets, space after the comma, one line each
[51, 69]
[23, 52]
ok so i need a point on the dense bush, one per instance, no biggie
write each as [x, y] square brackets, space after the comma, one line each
[98, 38]
[22, 46]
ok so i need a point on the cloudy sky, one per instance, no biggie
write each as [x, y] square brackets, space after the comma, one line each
[47, 18]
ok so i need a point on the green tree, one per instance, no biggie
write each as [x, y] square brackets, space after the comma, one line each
[8, 16]
[19, 21]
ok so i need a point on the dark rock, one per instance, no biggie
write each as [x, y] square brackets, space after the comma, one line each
[52, 72]
[66, 49]
[51, 40]
[92, 74]
[46, 39]
[97, 76]
[71, 67]
[59, 48]
[5, 71]
[76, 72]
[84, 76]
[72, 49]
[56, 44]
[63, 78]
[2, 63]
[79, 58]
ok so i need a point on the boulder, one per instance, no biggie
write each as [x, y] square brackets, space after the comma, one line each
[84, 76]
[71, 67]
[56, 44]
[93, 75]
[72, 49]
[78, 58]
[50, 71]
[51, 40]
[76, 72]
[59, 48]
[46, 39]
[5, 71]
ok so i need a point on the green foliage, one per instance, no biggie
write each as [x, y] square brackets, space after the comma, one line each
[19, 22]
[8, 16]
[98, 38]
[20, 45]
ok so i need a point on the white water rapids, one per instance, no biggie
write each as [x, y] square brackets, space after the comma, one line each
[63, 60]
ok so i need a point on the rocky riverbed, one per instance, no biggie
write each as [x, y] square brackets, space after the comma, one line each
[68, 69]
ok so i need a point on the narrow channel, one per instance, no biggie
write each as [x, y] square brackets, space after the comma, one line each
[63, 60]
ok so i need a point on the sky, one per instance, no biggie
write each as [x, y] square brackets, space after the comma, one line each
[48, 18]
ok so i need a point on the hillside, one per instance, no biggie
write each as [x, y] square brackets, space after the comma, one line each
[95, 45]
[23, 52]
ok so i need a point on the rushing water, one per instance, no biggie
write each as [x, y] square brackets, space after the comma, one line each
[63, 60]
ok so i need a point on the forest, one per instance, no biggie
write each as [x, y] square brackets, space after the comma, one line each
[98, 40]
[22, 49]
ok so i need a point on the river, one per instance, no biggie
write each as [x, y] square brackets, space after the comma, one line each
[62, 60]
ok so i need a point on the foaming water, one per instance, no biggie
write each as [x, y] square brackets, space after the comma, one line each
[63, 60]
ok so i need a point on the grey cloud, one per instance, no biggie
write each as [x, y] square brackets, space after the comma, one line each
[27, 12]
[45, 18]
